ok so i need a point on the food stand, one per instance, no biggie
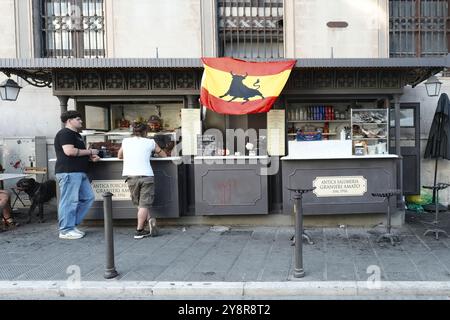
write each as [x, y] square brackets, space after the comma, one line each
[233, 163]
[138, 86]
[106, 174]
[343, 152]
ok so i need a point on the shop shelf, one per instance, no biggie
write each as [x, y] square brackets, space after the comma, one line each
[318, 121]
[371, 115]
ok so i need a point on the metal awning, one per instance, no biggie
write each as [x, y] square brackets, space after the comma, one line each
[104, 63]
[99, 63]
[39, 71]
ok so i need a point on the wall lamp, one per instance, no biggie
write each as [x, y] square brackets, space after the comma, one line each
[9, 90]
[433, 86]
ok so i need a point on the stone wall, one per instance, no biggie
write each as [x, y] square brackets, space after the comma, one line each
[308, 36]
[135, 28]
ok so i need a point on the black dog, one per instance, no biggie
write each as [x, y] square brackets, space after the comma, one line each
[39, 194]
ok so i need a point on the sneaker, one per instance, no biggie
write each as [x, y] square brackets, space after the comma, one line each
[152, 227]
[139, 234]
[70, 235]
[79, 231]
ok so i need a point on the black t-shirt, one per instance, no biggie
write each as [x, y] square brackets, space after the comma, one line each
[65, 164]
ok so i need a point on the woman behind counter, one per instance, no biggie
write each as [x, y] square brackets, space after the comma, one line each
[136, 152]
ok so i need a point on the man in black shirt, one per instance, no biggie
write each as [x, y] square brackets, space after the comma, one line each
[72, 159]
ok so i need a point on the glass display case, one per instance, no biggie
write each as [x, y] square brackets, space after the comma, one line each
[109, 143]
[108, 124]
[370, 129]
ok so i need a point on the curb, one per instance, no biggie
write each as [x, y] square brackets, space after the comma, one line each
[155, 289]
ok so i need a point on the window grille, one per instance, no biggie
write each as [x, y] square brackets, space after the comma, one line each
[251, 28]
[419, 28]
[72, 28]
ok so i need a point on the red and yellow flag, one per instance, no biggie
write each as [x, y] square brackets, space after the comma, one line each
[232, 86]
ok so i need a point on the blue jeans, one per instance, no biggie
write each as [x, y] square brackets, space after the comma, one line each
[76, 197]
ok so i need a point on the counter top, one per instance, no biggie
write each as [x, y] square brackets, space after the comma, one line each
[124, 133]
[376, 156]
[230, 157]
[117, 159]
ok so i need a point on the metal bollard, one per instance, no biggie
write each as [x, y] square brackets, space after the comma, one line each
[298, 196]
[110, 270]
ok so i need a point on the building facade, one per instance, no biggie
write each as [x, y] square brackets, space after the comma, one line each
[250, 29]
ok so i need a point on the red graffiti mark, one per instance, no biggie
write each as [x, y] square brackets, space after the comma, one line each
[225, 189]
[17, 164]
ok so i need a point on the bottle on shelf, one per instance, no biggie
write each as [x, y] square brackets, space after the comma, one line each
[326, 130]
[291, 129]
[343, 135]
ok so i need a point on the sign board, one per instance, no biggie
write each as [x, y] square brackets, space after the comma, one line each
[276, 132]
[191, 127]
[118, 188]
[340, 186]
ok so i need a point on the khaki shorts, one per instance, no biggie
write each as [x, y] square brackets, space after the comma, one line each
[142, 190]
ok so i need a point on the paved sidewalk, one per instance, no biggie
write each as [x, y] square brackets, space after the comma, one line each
[242, 256]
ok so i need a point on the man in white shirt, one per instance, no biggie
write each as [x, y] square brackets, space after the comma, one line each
[136, 152]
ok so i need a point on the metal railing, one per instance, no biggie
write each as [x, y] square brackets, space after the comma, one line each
[250, 28]
[72, 28]
[419, 28]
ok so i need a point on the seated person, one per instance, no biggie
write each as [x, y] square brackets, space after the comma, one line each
[5, 209]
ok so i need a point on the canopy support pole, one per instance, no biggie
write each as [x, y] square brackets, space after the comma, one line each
[63, 100]
[400, 203]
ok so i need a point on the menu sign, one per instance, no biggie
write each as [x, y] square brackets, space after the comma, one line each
[190, 128]
[340, 186]
[118, 188]
[276, 132]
